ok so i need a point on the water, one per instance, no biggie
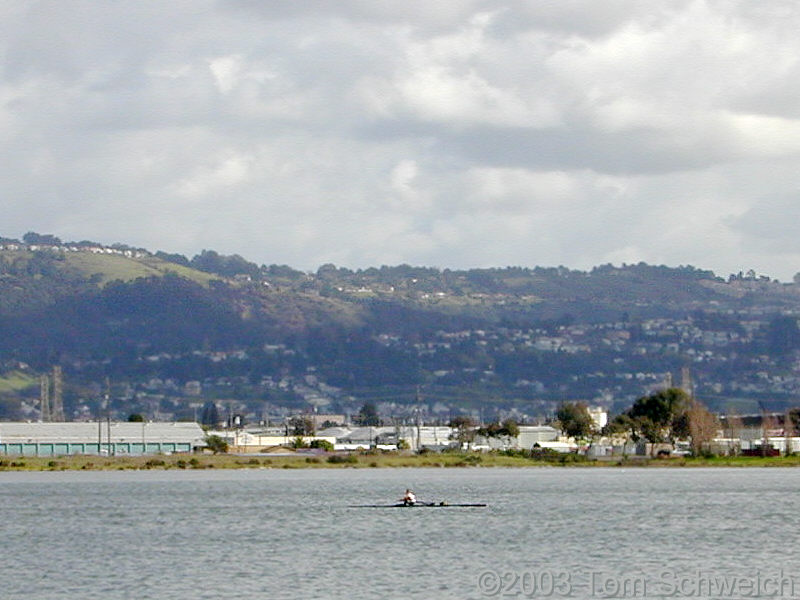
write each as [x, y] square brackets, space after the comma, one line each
[289, 534]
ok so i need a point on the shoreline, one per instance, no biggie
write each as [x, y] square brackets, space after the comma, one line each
[367, 461]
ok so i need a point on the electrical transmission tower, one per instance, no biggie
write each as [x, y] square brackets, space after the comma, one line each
[44, 397]
[58, 395]
[686, 382]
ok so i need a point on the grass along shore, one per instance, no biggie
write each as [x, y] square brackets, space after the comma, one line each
[367, 460]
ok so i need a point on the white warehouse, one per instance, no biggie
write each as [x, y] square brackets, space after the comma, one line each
[116, 438]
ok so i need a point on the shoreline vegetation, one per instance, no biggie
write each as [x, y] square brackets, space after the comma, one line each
[371, 460]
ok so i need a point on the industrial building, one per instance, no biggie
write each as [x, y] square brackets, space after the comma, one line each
[111, 439]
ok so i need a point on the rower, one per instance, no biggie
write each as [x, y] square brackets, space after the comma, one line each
[410, 499]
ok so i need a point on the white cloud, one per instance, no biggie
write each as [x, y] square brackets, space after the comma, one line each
[451, 134]
[441, 79]
[403, 176]
[227, 71]
[230, 171]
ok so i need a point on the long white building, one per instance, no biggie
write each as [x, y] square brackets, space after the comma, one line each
[120, 438]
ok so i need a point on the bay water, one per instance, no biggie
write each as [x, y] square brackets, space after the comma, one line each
[281, 533]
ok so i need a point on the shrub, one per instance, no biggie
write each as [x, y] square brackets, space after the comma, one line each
[323, 444]
[216, 444]
[342, 459]
[571, 458]
[518, 453]
[298, 442]
[546, 454]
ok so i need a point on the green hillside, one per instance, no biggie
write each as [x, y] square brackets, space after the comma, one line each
[272, 338]
[113, 267]
[99, 268]
[15, 381]
[31, 280]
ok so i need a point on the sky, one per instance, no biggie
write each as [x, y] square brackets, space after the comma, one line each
[452, 134]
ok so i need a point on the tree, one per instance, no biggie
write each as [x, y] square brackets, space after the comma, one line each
[768, 424]
[659, 415]
[733, 428]
[210, 415]
[37, 238]
[650, 430]
[464, 430]
[703, 426]
[508, 428]
[661, 407]
[619, 425]
[368, 416]
[135, 418]
[622, 425]
[178, 259]
[302, 425]
[575, 420]
[794, 419]
[227, 266]
[216, 444]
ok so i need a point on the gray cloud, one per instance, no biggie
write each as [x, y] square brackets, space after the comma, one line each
[453, 134]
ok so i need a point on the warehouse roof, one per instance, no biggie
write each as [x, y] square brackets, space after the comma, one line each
[87, 432]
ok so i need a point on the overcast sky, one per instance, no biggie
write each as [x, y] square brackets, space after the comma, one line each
[452, 134]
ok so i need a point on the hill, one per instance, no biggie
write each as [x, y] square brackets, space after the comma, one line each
[172, 333]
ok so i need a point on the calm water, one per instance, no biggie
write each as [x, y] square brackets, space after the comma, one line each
[266, 534]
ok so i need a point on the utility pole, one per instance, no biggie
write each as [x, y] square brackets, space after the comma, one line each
[108, 413]
[100, 424]
[419, 435]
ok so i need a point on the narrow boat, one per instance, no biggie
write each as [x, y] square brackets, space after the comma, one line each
[419, 505]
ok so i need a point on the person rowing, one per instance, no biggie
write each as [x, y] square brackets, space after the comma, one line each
[409, 499]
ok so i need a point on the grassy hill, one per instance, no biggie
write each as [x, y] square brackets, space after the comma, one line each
[115, 267]
[97, 268]
[31, 280]
[16, 380]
